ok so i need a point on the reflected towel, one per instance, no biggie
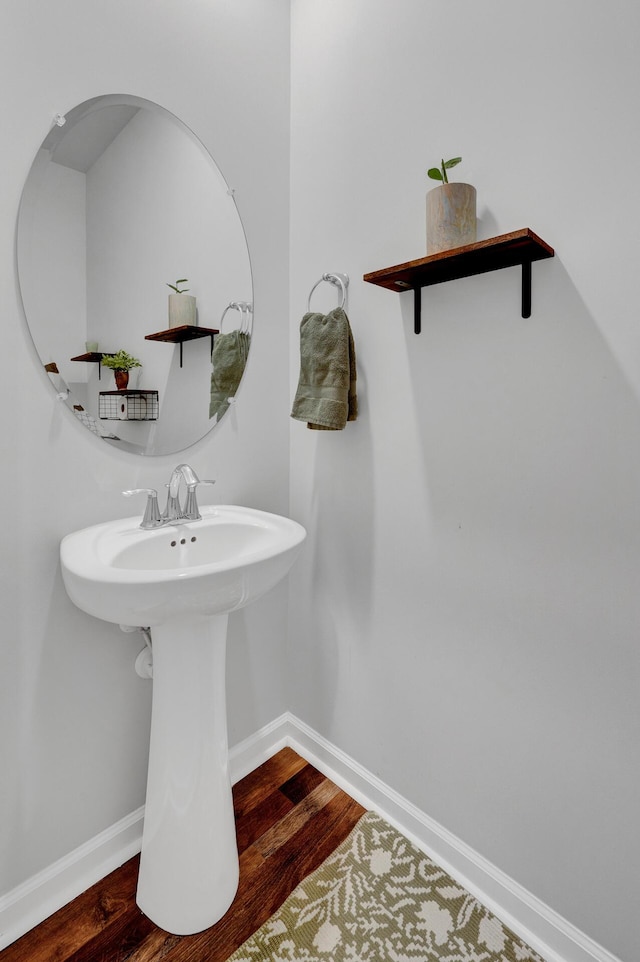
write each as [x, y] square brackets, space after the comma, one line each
[229, 357]
[326, 395]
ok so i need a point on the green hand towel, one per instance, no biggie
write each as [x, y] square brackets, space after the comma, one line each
[228, 358]
[326, 395]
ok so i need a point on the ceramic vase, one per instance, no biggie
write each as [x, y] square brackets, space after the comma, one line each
[451, 217]
[182, 310]
[122, 379]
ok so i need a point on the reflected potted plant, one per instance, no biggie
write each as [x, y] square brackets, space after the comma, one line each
[451, 211]
[121, 363]
[182, 306]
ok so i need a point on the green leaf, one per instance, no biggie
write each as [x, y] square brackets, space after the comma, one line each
[452, 162]
[184, 280]
[434, 173]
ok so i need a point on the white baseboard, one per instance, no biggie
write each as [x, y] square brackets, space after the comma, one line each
[543, 929]
[44, 893]
[249, 754]
[556, 939]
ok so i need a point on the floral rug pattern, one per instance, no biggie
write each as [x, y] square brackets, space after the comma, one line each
[380, 899]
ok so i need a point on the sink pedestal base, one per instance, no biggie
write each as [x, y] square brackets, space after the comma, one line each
[189, 864]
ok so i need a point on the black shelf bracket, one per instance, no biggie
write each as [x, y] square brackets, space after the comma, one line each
[526, 298]
[526, 288]
[211, 336]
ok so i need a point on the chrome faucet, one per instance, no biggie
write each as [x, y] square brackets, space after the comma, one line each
[174, 512]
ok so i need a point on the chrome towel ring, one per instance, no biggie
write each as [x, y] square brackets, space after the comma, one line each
[245, 315]
[338, 280]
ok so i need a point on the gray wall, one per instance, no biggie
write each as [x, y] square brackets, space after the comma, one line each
[74, 716]
[465, 620]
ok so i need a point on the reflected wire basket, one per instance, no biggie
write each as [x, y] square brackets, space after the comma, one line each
[128, 405]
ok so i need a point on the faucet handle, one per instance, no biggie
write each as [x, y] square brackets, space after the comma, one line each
[191, 510]
[172, 511]
[151, 517]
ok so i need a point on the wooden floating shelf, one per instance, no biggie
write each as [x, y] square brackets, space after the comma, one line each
[520, 247]
[185, 332]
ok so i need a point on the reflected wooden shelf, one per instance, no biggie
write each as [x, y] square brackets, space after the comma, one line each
[185, 332]
[520, 247]
[93, 357]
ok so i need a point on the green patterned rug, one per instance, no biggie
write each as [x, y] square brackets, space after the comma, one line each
[380, 899]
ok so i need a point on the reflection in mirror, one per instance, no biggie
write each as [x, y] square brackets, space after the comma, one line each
[228, 360]
[122, 200]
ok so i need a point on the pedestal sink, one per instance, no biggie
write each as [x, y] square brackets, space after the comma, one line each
[182, 580]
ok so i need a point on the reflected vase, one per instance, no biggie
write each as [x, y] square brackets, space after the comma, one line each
[182, 310]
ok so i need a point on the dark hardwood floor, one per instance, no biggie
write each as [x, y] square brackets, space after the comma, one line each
[289, 818]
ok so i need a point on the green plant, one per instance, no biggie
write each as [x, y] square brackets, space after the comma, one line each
[120, 361]
[440, 173]
[174, 287]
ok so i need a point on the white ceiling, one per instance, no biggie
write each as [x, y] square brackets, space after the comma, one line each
[81, 146]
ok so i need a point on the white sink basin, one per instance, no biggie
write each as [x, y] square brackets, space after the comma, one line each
[181, 581]
[121, 573]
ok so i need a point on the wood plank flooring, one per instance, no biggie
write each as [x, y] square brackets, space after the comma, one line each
[289, 818]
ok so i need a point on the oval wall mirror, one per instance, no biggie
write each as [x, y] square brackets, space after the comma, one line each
[130, 248]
